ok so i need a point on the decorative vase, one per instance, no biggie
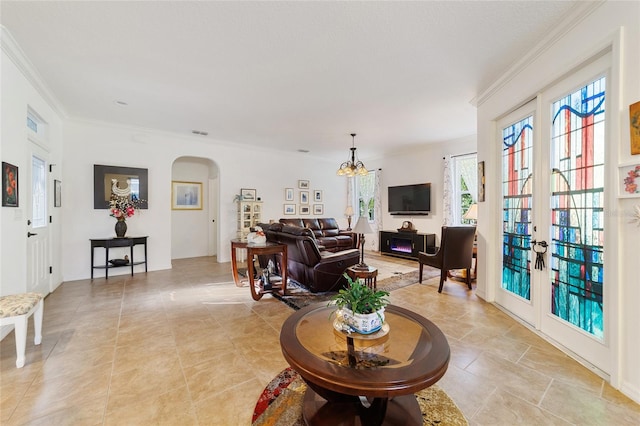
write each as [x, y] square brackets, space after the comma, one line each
[121, 228]
[363, 323]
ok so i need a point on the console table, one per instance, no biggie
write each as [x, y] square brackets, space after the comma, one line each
[406, 244]
[107, 243]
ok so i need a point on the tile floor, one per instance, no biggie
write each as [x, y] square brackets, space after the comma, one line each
[187, 347]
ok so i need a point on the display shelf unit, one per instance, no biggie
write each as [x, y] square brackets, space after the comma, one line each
[249, 215]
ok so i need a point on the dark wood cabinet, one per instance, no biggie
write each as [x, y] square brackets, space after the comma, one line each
[406, 244]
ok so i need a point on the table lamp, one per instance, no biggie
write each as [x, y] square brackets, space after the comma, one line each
[472, 213]
[362, 227]
[348, 213]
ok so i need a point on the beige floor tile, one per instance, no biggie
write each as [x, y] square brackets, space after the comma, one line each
[186, 346]
[171, 408]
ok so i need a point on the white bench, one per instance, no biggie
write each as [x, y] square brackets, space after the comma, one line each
[16, 309]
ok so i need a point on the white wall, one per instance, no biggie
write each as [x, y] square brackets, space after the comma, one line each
[16, 96]
[420, 165]
[615, 25]
[89, 143]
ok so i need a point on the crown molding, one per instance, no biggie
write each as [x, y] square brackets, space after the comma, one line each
[581, 11]
[13, 51]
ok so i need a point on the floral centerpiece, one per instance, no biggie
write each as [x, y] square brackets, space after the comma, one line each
[360, 307]
[122, 203]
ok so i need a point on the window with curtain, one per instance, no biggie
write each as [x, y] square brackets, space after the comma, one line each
[365, 195]
[465, 186]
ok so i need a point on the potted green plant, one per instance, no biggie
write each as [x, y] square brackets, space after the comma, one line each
[360, 307]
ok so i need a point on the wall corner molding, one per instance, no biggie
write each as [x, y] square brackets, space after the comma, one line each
[581, 12]
[12, 49]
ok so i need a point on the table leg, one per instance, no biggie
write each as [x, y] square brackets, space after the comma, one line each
[256, 292]
[131, 255]
[93, 249]
[106, 262]
[234, 267]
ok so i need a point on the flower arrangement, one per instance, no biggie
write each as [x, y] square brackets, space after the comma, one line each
[121, 207]
[630, 184]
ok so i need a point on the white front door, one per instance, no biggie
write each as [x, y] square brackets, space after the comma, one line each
[38, 256]
[554, 195]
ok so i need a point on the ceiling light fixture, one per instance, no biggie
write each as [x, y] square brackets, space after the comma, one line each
[352, 167]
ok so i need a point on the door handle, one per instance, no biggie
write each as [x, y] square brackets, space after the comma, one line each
[31, 234]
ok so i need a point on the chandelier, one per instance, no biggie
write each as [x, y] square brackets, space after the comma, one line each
[350, 167]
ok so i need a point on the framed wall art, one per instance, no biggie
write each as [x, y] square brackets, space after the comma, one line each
[9, 185]
[303, 184]
[57, 193]
[304, 197]
[248, 194]
[289, 209]
[634, 127]
[106, 177]
[317, 195]
[481, 181]
[186, 195]
[288, 194]
[318, 209]
[305, 210]
[629, 180]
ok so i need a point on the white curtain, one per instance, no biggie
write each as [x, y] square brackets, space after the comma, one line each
[377, 204]
[447, 193]
[469, 171]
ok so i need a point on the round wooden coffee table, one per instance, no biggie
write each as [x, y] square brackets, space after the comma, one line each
[369, 380]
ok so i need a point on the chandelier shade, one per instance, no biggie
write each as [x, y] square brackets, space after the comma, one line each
[352, 167]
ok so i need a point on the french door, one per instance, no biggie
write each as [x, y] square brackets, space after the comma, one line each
[553, 224]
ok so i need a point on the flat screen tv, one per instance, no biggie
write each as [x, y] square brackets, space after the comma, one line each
[410, 199]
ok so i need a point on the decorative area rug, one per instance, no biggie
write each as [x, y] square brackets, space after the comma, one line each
[298, 297]
[281, 404]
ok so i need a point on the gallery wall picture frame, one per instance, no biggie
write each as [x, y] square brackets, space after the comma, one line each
[305, 210]
[318, 209]
[248, 194]
[103, 182]
[303, 184]
[57, 193]
[288, 194]
[629, 180]
[481, 180]
[317, 195]
[186, 195]
[289, 209]
[304, 197]
[10, 181]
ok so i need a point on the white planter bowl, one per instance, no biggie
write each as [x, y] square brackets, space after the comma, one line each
[363, 323]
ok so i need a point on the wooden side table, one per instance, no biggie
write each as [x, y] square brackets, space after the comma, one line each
[257, 291]
[369, 275]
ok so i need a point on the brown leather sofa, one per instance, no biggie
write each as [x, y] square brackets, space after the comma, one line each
[326, 232]
[319, 271]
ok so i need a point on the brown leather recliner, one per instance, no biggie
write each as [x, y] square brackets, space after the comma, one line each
[455, 252]
[316, 270]
[326, 231]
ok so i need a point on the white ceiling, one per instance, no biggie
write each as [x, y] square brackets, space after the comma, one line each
[289, 75]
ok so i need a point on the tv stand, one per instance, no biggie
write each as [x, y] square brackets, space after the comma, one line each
[406, 244]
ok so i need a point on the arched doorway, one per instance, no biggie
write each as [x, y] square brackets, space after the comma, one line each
[194, 227]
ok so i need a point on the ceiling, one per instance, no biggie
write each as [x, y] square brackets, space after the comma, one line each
[287, 75]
